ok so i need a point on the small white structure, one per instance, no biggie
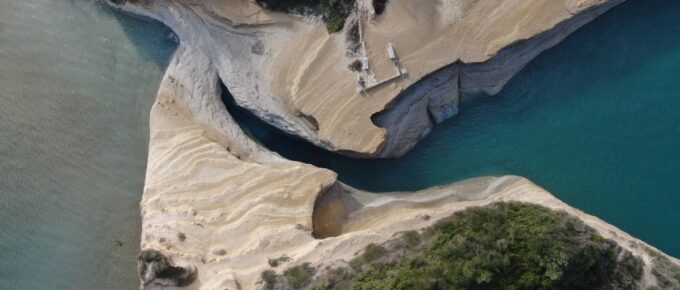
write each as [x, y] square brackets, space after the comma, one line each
[390, 51]
[364, 63]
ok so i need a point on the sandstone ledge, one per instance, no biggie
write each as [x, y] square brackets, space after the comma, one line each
[289, 72]
[217, 203]
[220, 205]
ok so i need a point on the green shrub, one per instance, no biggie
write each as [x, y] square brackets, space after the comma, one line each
[372, 253]
[355, 66]
[412, 238]
[335, 23]
[269, 277]
[333, 12]
[502, 246]
[299, 276]
[278, 261]
[666, 272]
[353, 37]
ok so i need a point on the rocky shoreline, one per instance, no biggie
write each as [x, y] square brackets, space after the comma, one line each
[434, 98]
[275, 65]
[219, 205]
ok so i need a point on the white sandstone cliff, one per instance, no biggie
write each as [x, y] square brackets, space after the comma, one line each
[291, 73]
[218, 203]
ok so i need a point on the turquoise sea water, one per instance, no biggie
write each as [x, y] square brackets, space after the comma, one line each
[77, 81]
[595, 120]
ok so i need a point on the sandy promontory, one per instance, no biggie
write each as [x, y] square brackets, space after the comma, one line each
[221, 205]
[217, 203]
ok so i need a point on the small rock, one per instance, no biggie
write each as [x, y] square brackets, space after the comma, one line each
[300, 227]
[171, 36]
[258, 48]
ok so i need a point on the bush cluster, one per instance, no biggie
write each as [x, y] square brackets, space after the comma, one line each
[502, 246]
[278, 261]
[667, 273]
[333, 12]
[353, 37]
[297, 277]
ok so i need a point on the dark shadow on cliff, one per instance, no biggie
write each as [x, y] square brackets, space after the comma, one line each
[290, 147]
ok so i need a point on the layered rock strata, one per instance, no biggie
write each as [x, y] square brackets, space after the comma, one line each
[291, 73]
[219, 206]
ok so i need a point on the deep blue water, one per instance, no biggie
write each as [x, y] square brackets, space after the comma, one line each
[595, 120]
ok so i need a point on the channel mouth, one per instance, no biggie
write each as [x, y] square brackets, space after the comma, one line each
[594, 120]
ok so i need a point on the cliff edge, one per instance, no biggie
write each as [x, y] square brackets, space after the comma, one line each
[217, 207]
[378, 86]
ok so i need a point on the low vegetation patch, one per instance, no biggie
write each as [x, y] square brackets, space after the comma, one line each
[501, 246]
[333, 12]
[353, 37]
[355, 66]
[667, 273]
[269, 277]
[278, 261]
[298, 277]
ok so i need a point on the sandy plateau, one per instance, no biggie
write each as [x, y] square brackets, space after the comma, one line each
[236, 204]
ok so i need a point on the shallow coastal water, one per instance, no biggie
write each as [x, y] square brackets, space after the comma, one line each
[595, 120]
[77, 81]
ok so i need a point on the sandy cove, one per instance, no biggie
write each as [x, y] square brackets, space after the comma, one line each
[239, 204]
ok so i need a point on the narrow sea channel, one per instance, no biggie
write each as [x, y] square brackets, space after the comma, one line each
[595, 120]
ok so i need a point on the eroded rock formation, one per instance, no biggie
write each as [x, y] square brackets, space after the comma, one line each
[220, 206]
[291, 73]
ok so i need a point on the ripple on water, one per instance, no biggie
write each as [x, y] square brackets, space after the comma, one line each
[76, 85]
